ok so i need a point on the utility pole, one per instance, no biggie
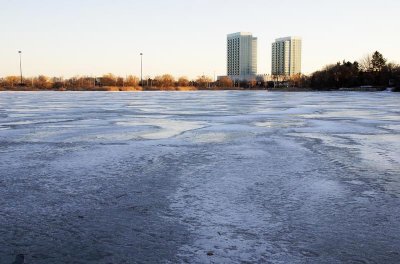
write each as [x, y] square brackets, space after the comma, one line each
[141, 69]
[214, 80]
[20, 65]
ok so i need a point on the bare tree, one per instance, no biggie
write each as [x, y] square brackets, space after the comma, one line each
[43, 82]
[11, 80]
[167, 81]
[366, 63]
[120, 82]
[183, 81]
[132, 81]
[157, 81]
[225, 82]
[108, 80]
[204, 81]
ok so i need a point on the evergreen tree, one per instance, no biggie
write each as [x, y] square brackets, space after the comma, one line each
[378, 62]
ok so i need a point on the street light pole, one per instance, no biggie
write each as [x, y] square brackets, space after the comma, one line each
[20, 65]
[141, 69]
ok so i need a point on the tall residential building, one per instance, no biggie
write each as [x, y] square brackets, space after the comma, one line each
[241, 54]
[286, 56]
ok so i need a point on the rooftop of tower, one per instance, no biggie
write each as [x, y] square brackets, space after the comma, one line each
[237, 34]
[288, 38]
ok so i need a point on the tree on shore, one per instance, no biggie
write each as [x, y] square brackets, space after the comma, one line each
[108, 80]
[366, 63]
[167, 81]
[299, 81]
[225, 82]
[132, 81]
[372, 70]
[203, 81]
[336, 76]
[183, 81]
[42, 82]
[11, 81]
[378, 62]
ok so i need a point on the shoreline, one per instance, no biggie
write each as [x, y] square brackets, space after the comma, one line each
[193, 89]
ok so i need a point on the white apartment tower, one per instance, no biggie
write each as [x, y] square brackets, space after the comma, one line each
[241, 54]
[286, 56]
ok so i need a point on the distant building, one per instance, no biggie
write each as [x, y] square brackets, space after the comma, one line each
[286, 56]
[241, 55]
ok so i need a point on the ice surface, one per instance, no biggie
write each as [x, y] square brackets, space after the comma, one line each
[200, 177]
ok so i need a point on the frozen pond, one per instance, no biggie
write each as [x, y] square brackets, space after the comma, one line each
[200, 177]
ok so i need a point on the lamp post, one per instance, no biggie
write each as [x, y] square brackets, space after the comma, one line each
[141, 69]
[20, 64]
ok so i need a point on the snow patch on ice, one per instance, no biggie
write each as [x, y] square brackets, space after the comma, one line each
[163, 128]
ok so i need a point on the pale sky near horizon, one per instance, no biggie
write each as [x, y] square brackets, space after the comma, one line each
[186, 37]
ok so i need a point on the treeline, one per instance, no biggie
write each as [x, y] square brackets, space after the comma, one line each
[168, 82]
[42, 82]
[371, 71]
[111, 82]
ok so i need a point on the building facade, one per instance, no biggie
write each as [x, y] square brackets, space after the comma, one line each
[241, 55]
[286, 56]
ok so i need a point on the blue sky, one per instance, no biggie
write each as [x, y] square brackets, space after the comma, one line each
[186, 37]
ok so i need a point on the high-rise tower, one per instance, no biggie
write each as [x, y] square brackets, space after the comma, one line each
[286, 56]
[241, 54]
